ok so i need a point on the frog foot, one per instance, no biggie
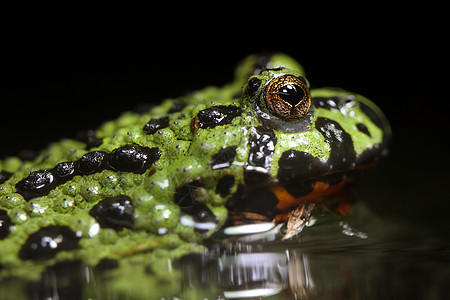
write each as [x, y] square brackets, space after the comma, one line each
[297, 220]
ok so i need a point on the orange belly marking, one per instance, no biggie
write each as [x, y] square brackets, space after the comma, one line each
[321, 189]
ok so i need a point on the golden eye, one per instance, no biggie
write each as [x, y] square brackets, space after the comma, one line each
[288, 97]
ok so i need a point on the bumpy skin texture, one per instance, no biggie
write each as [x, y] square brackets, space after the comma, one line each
[165, 179]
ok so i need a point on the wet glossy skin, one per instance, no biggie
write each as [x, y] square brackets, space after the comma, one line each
[167, 178]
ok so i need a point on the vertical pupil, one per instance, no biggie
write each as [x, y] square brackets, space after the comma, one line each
[291, 93]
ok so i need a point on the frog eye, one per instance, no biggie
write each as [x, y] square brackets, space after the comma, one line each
[288, 97]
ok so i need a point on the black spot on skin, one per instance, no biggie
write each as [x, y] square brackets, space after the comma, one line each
[342, 153]
[177, 106]
[223, 159]
[185, 194]
[301, 188]
[47, 242]
[128, 158]
[40, 183]
[259, 200]
[115, 212]
[6, 226]
[156, 124]
[262, 143]
[373, 116]
[372, 154]
[225, 185]
[326, 103]
[363, 128]
[65, 169]
[200, 213]
[4, 176]
[217, 115]
[38, 180]
[186, 198]
[133, 158]
[297, 166]
[335, 178]
[349, 101]
[91, 162]
[381, 150]
[89, 138]
[256, 177]
[37, 184]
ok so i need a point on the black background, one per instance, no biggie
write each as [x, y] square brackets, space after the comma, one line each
[51, 86]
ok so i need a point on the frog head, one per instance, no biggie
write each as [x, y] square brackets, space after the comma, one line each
[304, 145]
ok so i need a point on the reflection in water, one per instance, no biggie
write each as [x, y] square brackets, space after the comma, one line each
[300, 280]
[241, 275]
[363, 258]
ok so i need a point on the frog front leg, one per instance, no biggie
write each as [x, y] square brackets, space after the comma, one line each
[298, 218]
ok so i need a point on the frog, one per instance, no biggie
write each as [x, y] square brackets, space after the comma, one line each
[159, 181]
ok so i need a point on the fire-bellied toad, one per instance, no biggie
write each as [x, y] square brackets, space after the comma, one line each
[262, 147]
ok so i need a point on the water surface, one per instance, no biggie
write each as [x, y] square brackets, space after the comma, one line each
[360, 257]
